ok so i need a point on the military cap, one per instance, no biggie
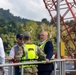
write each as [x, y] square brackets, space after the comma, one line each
[27, 35]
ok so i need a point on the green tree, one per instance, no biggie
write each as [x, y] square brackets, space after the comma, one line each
[44, 20]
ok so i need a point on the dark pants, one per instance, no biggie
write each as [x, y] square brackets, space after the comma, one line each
[44, 73]
[17, 71]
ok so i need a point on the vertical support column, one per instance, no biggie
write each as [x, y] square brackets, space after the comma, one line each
[58, 35]
[58, 29]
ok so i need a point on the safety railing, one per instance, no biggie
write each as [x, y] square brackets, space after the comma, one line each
[59, 66]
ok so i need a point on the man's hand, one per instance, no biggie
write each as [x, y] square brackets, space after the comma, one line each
[8, 58]
[47, 60]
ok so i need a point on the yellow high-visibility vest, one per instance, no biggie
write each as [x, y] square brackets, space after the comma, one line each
[30, 53]
[43, 45]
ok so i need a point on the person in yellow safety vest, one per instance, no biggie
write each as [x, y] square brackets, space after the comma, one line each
[42, 47]
[32, 53]
[47, 46]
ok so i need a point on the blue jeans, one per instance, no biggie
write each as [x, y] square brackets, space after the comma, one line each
[17, 71]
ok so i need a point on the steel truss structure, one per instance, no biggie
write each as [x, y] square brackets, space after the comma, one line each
[67, 13]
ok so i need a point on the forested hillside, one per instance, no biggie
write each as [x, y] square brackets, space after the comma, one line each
[7, 16]
[11, 25]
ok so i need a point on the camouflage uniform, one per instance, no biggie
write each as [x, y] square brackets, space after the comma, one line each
[18, 53]
[33, 69]
[30, 71]
[17, 57]
[33, 52]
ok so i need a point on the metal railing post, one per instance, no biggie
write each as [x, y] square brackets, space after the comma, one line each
[22, 70]
[10, 70]
[55, 68]
[60, 71]
[63, 67]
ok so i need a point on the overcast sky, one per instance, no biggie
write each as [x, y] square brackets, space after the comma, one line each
[29, 9]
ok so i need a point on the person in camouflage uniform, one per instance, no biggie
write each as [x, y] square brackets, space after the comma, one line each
[16, 53]
[32, 53]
